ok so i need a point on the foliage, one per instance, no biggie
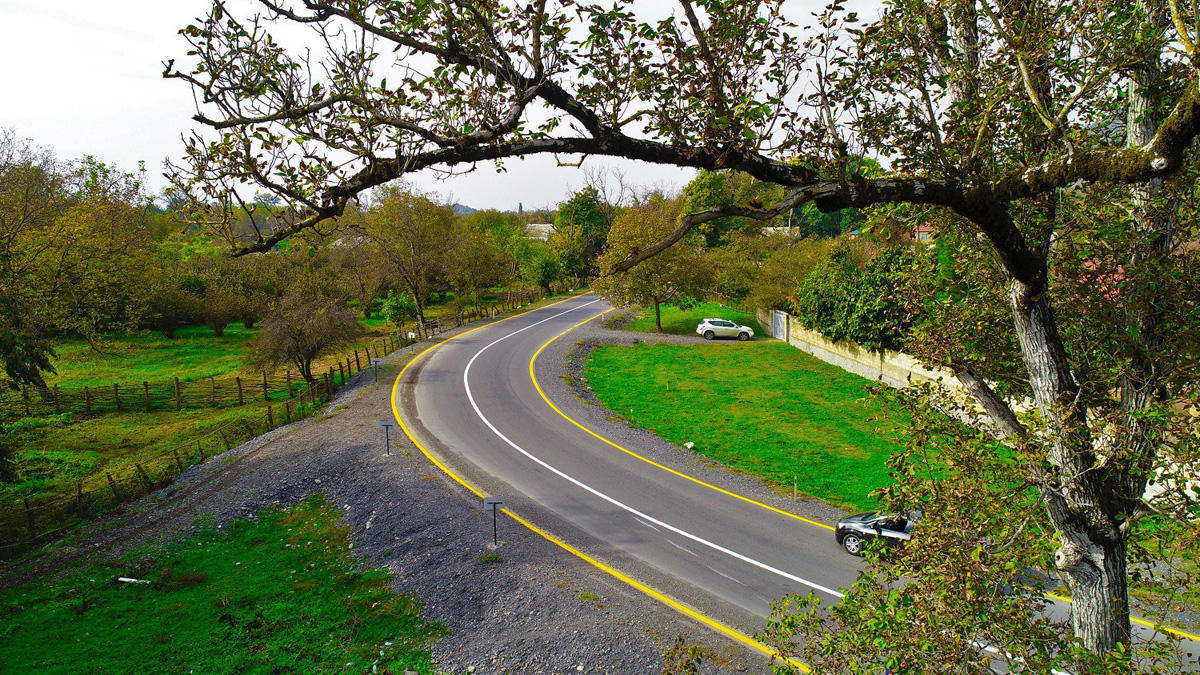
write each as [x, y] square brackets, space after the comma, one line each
[398, 309]
[277, 593]
[676, 273]
[300, 329]
[862, 304]
[72, 240]
[765, 271]
[416, 236]
[968, 578]
[764, 408]
[712, 189]
[580, 230]
[542, 266]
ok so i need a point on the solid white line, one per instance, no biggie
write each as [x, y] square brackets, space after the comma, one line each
[605, 497]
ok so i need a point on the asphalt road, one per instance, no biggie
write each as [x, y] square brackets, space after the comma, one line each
[474, 405]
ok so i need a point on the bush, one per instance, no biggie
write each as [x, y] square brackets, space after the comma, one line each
[844, 301]
[397, 309]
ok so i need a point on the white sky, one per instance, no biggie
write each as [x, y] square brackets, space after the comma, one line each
[85, 77]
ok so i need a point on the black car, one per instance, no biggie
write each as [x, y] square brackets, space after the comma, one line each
[853, 533]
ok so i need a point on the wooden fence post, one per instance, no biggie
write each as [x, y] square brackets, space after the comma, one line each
[265, 389]
[57, 403]
[212, 392]
[287, 412]
[31, 524]
[341, 372]
[178, 396]
[270, 417]
[328, 388]
[178, 461]
[112, 484]
[241, 401]
[288, 376]
[349, 370]
[87, 400]
[199, 448]
[357, 364]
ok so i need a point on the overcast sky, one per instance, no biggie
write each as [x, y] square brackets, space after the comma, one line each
[85, 77]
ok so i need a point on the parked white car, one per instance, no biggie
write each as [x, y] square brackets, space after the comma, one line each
[715, 328]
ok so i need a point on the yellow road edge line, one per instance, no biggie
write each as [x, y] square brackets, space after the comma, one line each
[537, 385]
[1141, 622]
[611, 571]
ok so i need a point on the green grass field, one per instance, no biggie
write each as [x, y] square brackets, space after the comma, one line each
[194, 353]
[278, 594]
[683, 321]
[763, 408]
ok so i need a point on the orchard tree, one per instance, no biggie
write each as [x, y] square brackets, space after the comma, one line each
[676, 274]
[990, 113]
[300, 329]
[416, 236]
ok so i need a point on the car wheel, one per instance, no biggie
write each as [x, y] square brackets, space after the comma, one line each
[708, 335]
[743, 336]
[853, 544]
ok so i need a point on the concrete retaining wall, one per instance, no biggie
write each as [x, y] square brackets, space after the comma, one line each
[893, 368]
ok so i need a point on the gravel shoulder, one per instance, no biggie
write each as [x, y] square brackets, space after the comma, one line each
[540, 610]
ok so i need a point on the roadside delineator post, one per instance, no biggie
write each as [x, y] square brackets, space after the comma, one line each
[495, 503]
[387, 437]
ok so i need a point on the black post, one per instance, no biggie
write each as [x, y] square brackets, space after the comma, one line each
[495, 532]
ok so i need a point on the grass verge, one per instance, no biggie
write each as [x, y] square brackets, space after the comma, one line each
[278, 594]
[678, 321]
[763, 408]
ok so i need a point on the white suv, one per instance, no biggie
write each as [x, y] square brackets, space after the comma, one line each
[714, 328]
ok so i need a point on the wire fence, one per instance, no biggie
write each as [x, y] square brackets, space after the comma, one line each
[222, 391]
[27, 522]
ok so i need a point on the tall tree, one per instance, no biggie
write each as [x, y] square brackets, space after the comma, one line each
[73, 247]
[988, 111]
[416, 236]
[676, 274]
[580, 228]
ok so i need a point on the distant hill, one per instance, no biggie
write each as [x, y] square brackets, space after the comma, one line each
[462, 209]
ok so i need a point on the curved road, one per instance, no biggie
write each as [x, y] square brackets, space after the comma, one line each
[472, 403]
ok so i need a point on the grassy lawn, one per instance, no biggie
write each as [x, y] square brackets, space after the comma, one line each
[683, 321]
[764, 408]
[194, 353]
[56, 452]
[278, 594]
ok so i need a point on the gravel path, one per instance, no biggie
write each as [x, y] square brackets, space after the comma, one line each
[540, 610]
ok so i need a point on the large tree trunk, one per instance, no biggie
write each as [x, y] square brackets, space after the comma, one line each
[658, 315]
[1097, 575]
[1085, 508]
